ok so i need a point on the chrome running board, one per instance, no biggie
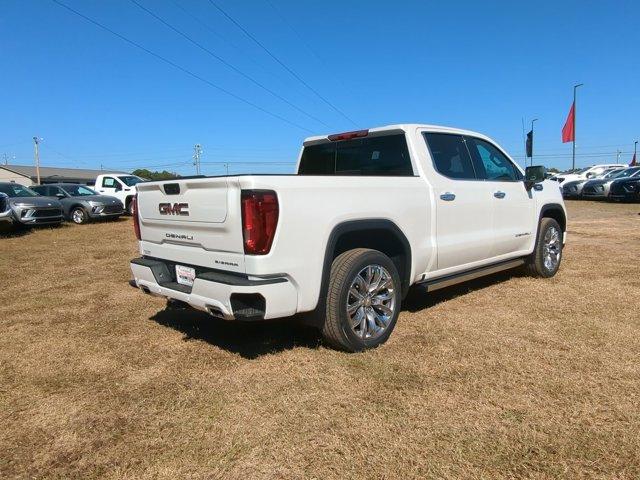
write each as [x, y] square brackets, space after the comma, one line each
[442, 282]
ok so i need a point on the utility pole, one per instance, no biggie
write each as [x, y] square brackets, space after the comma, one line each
[618, 156]
[635, 150]
[197, 151]
[534, 120]
[36, 154]
[575, 114]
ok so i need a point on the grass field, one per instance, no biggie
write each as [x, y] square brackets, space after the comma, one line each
[505, 377]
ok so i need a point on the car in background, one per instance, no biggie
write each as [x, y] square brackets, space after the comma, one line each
[573, 189]
[28, 207]
[585, 173]
[599, 189]
[625, 189]
[119, 185]
[80, 204]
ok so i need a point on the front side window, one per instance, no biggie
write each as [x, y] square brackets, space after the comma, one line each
[109, 182]
[491, 163]
[385, 155]
[450, 155]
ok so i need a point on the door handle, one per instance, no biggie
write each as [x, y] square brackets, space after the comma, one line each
[499, 194]
[448, 196]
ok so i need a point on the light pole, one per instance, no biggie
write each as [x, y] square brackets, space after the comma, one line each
[534, 120]
[575, 113]
[36, 155]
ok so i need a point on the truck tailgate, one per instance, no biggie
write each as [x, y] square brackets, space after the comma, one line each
[192, 221]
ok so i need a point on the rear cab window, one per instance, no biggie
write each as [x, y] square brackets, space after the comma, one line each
[384, 155]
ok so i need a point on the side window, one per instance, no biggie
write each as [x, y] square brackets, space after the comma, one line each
[491, 163]
[109, 182]
[53, 191]
[450, 155]
[41, 189]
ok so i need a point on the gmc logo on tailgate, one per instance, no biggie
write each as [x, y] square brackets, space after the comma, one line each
[174, 209]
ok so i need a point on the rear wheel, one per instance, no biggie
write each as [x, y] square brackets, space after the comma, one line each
[363, 300]
[547, 255]
[129, 207]
[79, 216]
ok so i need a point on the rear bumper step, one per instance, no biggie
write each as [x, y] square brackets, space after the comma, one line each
[222, 294]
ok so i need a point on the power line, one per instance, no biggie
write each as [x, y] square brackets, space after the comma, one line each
[294, 74]
[226, 63]
[182, 69]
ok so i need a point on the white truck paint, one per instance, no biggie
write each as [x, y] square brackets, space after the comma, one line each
[119, 185]
[432, 226]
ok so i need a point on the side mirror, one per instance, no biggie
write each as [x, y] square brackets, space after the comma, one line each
[118, 187]
[591, 175]
[533, 175]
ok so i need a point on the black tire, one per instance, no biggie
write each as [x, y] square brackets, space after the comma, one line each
[536, 265]
[337, 330]
[79, 215]
[129, 207]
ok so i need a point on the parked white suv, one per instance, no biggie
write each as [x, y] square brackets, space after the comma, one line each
[119, 185]
[368, 214]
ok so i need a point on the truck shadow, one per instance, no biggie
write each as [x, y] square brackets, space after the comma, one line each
[251, 340]
[248, 339]
[418, 299]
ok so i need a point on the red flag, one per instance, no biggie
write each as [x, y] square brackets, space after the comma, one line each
[633, 162]
[568, 134]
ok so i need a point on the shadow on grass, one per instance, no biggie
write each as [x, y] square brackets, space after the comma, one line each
[418, 299]
[248, 339]
[254, 339]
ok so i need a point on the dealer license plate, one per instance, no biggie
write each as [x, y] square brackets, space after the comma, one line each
[185, 275]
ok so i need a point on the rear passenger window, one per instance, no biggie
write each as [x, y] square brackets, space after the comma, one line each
[450, 155]
[386, 155]
[490, 163]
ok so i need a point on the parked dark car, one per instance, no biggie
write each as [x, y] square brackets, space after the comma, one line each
[80, 203]
[625, 189]
[26, 207]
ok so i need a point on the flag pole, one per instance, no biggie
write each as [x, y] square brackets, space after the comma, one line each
[575, 87]
[534, 120]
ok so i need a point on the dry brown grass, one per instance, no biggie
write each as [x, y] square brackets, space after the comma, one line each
[505, 377]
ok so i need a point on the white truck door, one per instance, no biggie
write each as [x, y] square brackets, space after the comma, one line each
[464, 216]
[514, 224]
[110, 186]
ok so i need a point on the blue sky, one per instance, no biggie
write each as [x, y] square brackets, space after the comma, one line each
[97, 100]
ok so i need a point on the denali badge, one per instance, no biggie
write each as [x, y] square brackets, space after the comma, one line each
[174, 209]
[178, 236]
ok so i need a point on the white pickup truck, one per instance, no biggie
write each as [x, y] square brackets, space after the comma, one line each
[119, 185]
[367, 215]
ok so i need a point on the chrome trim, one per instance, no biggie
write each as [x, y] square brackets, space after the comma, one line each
[438, 283]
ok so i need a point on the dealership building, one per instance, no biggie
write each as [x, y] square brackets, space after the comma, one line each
[27, 175]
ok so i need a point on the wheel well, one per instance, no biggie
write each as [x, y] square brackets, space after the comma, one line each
[555, 212]
[381, 235]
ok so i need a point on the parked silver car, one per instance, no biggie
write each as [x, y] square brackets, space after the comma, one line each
[573, 189]
[26, 207]
[80, 203]
[599, 188]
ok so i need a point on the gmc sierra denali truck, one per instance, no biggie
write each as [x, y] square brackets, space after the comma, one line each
[368, 214]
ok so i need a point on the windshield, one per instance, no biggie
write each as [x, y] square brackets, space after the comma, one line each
[78, 190]
[130, 180]
[15, 190]
[627, 173]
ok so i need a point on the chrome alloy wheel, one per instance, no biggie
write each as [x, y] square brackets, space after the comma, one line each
[371, 301]
[77, 216]
[551, 249]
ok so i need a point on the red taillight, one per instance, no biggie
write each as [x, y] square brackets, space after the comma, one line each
[259, 220]
[136, 220]
[348, 135]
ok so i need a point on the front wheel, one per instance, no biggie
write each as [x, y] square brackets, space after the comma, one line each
[547, 255]
[363, 300]
[79, 216]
